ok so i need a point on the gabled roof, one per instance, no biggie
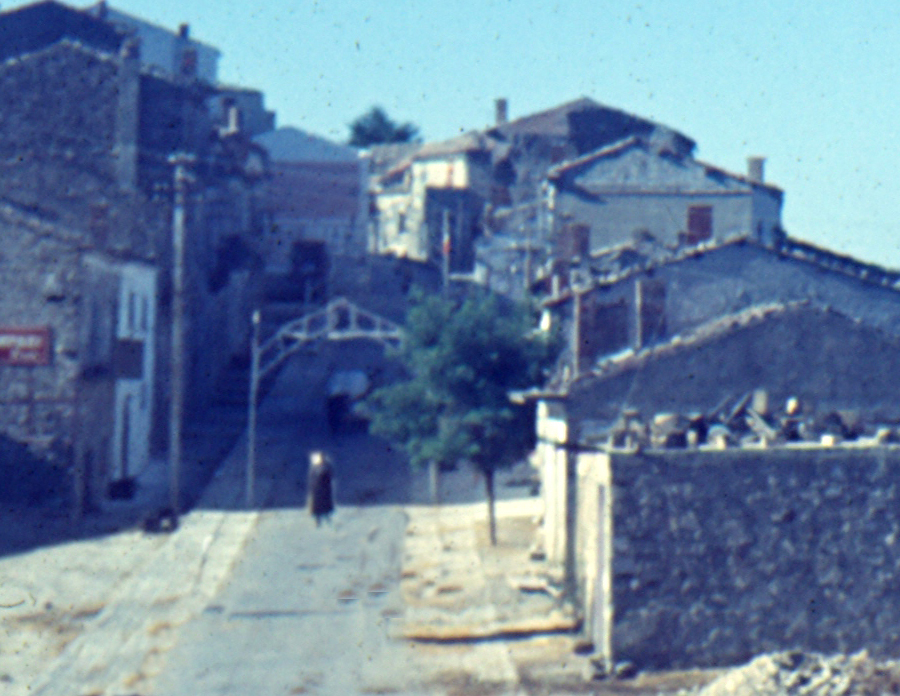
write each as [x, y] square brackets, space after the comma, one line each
[711, 331]
[473, 141]
[385, 157]
[609, 125]
[38, 224]
[36, 26]
[788, 248]
[704, 333]
[65, 44]
[289, 144]
[583, 122]
[648, 164]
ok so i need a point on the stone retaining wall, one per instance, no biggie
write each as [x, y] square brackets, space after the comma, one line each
[721, 555]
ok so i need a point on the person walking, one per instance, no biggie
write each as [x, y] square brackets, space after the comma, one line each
[319, 486]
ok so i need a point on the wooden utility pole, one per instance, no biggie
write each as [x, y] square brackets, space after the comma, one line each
[446, 245]
[182, 162]
[576, 328]
[252, 407]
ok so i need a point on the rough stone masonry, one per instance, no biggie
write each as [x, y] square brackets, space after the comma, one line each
[720, 555]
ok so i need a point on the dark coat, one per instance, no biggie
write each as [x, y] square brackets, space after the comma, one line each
[321, 500]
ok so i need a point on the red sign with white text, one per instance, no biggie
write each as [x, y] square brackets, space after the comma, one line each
[26, 346]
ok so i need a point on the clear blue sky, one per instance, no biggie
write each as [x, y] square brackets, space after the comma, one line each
[813, 86]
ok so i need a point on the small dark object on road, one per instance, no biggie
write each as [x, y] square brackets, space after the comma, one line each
[161, 522]
[319, 486]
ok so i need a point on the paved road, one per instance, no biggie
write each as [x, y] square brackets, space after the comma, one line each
[239, 602]
[306, 609]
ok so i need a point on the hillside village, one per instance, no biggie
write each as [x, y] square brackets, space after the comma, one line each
[716, 445]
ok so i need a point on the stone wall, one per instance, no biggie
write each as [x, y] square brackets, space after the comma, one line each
[64, 407]
[720, 555]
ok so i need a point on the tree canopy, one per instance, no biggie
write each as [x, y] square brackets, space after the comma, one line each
[463, 359]
[376, 127]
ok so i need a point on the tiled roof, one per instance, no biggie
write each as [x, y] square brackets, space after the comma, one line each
[708, 332]
[558, 121]
[578, 163]
[689, 172]
[787, 248]
[289, 144]
[15, 214]
[472, 141]
[32, 27]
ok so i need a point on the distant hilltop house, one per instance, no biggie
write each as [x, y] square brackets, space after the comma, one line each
[560, 184]
[652, 188]
[88, 125]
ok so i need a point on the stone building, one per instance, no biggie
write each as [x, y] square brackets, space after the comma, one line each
[77, 360]
[433, 200]
[524, 195]
[726, 545]
[86, 136]
[632, 298]
[705, 558]
[652, 187]
[316, 205]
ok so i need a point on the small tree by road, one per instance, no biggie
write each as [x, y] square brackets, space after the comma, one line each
[375, 127]
[463, 359]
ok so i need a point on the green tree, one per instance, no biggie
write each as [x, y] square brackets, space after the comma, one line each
[375, 127]
[463, 359]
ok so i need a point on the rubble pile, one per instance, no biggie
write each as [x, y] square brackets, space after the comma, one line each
[797, 673]
[745, 422]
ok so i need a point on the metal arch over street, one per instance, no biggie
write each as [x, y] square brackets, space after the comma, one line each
[339, 320]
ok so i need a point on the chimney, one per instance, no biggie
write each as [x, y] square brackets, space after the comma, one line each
[500, 111]
[184, 30]
[755, 167]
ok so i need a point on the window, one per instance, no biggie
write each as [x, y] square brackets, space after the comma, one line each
[573, 240]
[132, 312]
[603, 329]
[651, 302]
[699, 223]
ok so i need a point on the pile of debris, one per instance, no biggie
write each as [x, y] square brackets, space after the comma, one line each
[747, 421]
[808, 674]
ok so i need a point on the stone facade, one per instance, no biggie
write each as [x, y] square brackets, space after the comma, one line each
[646, 187]
[710, 557]
[498, 218]
[85, 140]
[608, 515]
[653, 301]
[67, 410]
